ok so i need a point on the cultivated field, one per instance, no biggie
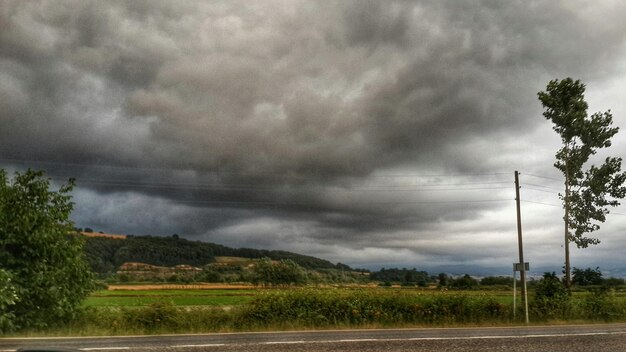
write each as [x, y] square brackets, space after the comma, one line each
[179, 297]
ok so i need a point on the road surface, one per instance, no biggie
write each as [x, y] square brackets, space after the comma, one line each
[572, 338]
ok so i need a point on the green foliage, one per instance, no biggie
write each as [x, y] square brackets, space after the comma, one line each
[443, 280]
[497, 281]
[613, 282]
[602, 305]
[405, 277]
[45, 263]
[336, 308]
[190, 311]
[585, 199]
[160, 314]
[8, 297]
[159, 317]
[587, 276]
[552, 299]
[179, 298]
[285, 272]
[105, 255]
[464, 282]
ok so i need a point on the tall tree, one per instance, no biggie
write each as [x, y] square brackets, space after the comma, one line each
[589, 190]
[40, 257]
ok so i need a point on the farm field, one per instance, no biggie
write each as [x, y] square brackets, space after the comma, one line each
[179, 297]
[224, 295]
[214, 295]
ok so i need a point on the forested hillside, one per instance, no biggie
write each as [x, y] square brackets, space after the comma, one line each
[106, 254]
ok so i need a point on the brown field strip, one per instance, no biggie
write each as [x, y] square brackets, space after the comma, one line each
[179, 287]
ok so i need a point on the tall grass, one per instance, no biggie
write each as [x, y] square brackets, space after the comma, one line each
[365, 307]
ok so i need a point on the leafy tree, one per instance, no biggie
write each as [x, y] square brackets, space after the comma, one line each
[285, 272]
[497, 280]
[42, 257]
[464, 282]
[587, 276]
[588, 191]
[408, 277]
[443, 279]
[7, 299]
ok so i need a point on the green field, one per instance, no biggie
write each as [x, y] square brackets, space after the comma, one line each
[128, 298]
[232, 297]
[236, 297]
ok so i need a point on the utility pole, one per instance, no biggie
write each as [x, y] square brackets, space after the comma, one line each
[521, 247]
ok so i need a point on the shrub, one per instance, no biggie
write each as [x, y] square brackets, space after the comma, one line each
[552, 299]
[601, 304]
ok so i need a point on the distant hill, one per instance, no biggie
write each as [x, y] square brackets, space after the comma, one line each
[106, 254]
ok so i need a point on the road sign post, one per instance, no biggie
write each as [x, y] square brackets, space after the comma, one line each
[521, 268]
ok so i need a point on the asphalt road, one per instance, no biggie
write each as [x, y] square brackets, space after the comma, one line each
[572, 338]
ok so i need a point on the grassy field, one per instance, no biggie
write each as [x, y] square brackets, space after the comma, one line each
[233, 297]
[224, 296]
[129, 298]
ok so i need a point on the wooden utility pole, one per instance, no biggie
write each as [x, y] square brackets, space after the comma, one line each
[521, 247]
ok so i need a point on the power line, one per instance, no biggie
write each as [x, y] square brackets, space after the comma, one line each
[220, 172]
[541, 186]
[443, 175]
[255, 186]
[126, 183]
[551, 205]
[310, 204]
[235, 188]
[540, 190]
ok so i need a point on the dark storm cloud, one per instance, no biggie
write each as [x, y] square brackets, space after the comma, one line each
[256, 112]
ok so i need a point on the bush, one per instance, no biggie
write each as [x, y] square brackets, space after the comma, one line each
[552, 299]
[158, 315]
[601, 304]
[587, 277]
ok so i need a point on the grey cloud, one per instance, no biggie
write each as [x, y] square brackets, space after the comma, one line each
[283, 110]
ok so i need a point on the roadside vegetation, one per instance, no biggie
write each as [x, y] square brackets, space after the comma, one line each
[258, 309]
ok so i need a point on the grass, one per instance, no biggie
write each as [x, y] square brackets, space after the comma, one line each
[130, 298]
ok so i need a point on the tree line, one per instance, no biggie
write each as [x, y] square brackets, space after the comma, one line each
[105, 255]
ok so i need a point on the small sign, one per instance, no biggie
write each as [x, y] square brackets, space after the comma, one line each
[520, 267]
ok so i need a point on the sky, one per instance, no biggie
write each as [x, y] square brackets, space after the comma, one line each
[372, 133]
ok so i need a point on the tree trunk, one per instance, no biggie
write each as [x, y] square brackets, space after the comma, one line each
[568, 280]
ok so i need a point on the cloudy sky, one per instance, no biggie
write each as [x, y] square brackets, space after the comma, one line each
[375, 133]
